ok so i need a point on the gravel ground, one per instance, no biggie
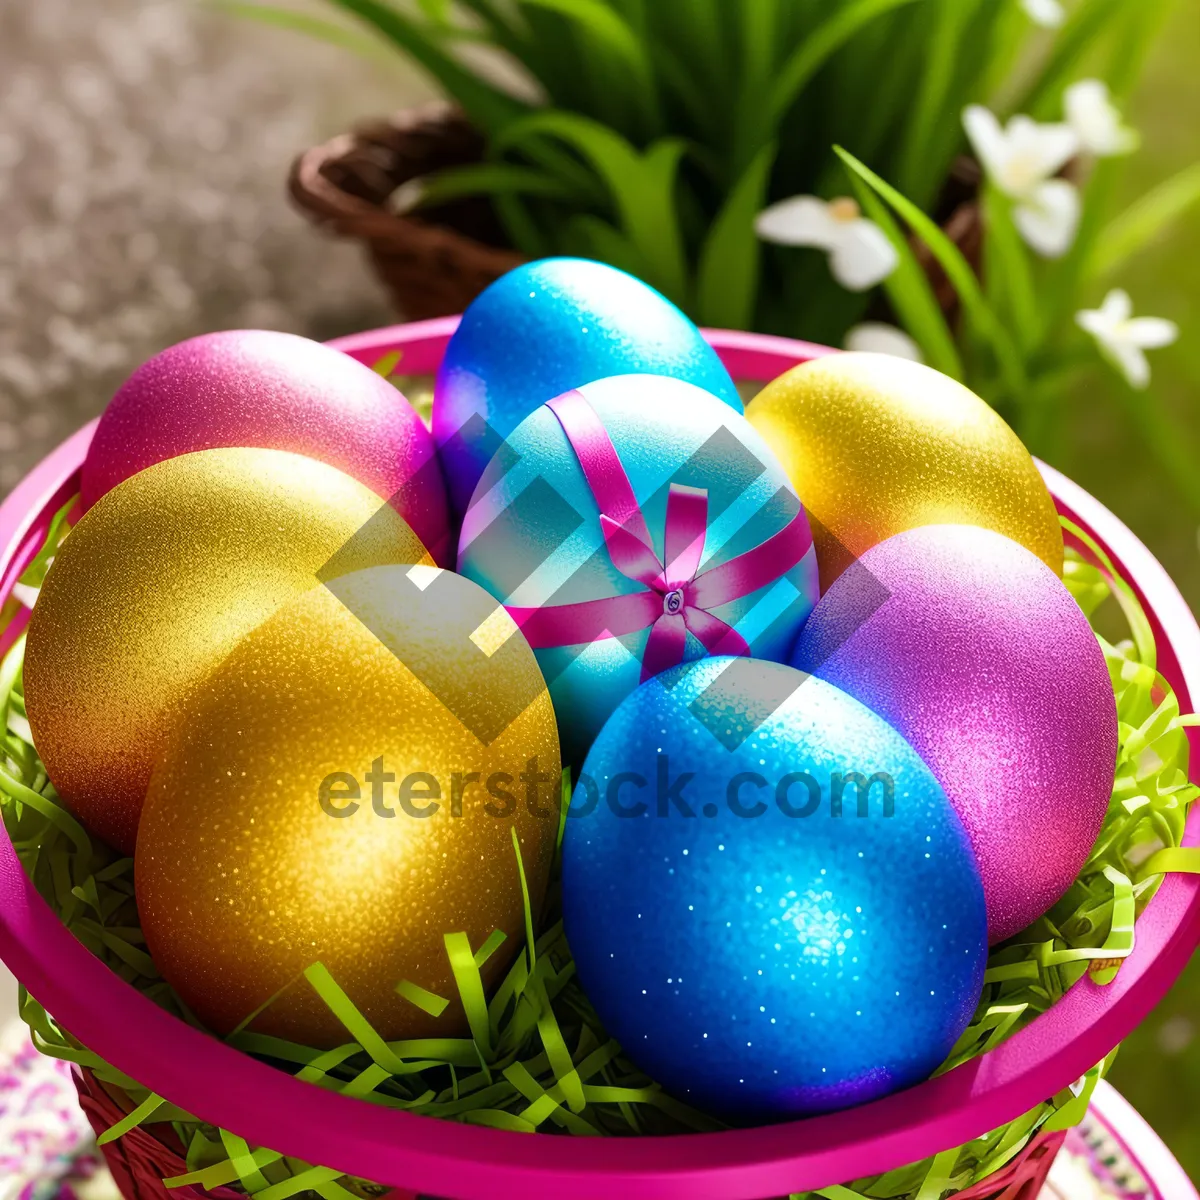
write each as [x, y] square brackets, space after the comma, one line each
[144, 146]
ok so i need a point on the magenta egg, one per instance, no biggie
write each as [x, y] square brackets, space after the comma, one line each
[274, 391]
[972, 648]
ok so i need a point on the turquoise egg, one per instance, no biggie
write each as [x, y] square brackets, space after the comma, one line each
[532, 535]
[546, 327]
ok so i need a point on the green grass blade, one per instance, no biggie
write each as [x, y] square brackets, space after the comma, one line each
[727, 274]
[958, 271]
[1008, 269]
[602, 26]
[366, 44]
[808, 58]
[642, 187]
[487, 106]
[479, 179]
[590, 237]
[1144, 220]
[1085, 26]
[951, 21]
[910, 292]
[524, 232]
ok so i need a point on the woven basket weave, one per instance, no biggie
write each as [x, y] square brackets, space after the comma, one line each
[431, 267]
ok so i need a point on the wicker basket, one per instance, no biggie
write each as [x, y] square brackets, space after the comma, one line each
[436, 267]
[431, 268]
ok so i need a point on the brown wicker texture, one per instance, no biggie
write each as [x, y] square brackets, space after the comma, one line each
[432, 267]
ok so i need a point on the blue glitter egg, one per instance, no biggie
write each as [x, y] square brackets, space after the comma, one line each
[533, 535]
[761, 939]
[546, 327]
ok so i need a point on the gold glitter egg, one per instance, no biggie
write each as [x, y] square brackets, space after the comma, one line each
[343, 791]
[875, 445]
[156, 584]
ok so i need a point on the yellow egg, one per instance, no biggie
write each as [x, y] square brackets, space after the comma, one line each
[343, 790]
[156, 584]
[875, 445]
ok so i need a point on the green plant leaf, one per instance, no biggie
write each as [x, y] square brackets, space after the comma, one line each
[591, 237]
[727, 275]
[910, 292]
[951, 22]
[523, 231]
[603, 26]
[1086, 24]
[1007, 270]
[1144, 220]
[491, 178]
[642, 187]
[808, 58]
[958, 271]
[438, 11]
[366, 44]
[487, 106]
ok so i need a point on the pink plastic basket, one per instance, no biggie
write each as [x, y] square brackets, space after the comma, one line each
[268, 1107]
[1125, 1154]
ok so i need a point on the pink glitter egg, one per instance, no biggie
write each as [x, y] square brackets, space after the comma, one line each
[973, 649]
[273, 391]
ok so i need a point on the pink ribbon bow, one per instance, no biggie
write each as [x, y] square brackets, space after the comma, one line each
[677, 600]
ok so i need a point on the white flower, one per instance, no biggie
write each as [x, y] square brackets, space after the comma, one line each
[1123, 338]
[874, 337]
[860, 255]
[1095, 120]
[1021, 159]
[1050, 14]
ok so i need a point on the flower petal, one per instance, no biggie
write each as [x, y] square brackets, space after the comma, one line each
[1050, 14]
[862, 256]
[798, 221]
[874, 337]
[1048, 219]
[1117, 306]
[1095, 120]
[986, 138]
[1095, 322]
[1131, 362]
[1151, 332]
[1039, 150]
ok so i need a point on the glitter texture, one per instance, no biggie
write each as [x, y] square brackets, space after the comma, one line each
[984, 662]
[281, 392]
[156, 584]
[875, 445]
[769, 965]
[545, 328]
[244, 879]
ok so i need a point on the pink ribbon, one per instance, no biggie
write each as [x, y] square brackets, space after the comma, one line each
[677, 600]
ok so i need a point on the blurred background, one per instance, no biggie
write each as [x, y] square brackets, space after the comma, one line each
[144, 150]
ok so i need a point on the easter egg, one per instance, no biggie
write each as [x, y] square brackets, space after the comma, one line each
[156, 584]
[543, 328]
[629, 525]
[876, 445]
[973, 649]
[777, 923]
[327, 798]
[255, 387]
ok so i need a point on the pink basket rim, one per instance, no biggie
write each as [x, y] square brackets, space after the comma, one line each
[268, 1107]
[1154, 1161]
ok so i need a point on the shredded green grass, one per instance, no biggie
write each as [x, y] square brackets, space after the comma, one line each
[537, 1058]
